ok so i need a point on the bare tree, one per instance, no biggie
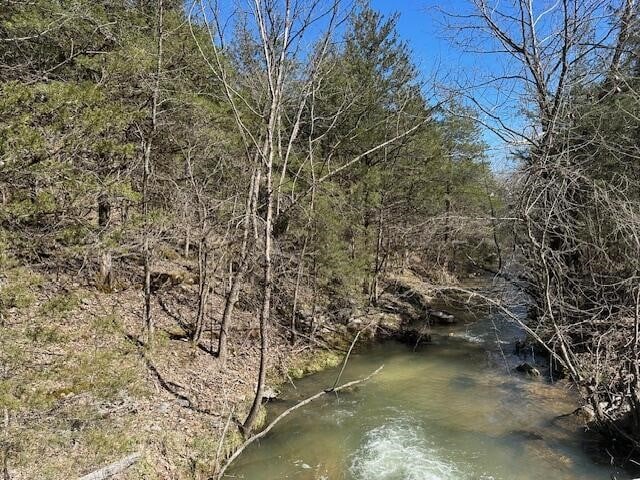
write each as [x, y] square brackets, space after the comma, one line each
[569, 67]
[148, 139]
[274, 82]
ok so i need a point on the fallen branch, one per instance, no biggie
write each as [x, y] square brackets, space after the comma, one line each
[346, 359]
[269, 427]
[113, 468]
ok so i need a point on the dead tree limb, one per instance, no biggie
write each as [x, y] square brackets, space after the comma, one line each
[113, 468]
[346, 358]
[302, 403]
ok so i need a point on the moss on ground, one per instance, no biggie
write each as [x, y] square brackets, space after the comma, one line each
[18, 286]
[315, 362]
[63, 388]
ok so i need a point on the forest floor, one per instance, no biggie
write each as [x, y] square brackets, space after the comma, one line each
[79, 390]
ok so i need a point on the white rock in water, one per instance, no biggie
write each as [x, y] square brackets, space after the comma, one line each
[270, 393]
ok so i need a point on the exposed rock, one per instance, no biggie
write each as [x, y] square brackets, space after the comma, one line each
[528, 369]
[410, 293]
[163, 280]
[441, 317]
[389, 321]
[270, 393]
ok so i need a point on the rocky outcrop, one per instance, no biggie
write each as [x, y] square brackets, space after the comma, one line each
[409, 292]
[412, 299]
[404, 311]
[270, 394]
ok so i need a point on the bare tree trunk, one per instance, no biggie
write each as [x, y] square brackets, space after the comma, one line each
[105, 280]
[275, 70]
[5, 464]
[187, 241]
[314, 295]
[447, 222]
[106, 271]
[373, 294]
[113, 468]
[635, 393]
[203, 282]
[237, 278]
[494, 226]
[626, 17]
[297, 288]
[308, 229]
[155, 100]
[266, 301]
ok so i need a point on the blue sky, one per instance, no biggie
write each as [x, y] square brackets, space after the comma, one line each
[421, 25]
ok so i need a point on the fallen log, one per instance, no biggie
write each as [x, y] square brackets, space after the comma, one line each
[113, 468]
[302, 403]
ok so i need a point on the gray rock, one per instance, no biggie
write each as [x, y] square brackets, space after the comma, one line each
[528, 369]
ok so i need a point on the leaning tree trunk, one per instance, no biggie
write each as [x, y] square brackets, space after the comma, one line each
[268, 240]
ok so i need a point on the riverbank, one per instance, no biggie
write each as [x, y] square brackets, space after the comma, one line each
[79, 390]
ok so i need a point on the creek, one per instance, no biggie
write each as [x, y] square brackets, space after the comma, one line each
[452, 409]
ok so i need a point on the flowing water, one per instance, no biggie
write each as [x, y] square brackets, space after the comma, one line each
[451, 410]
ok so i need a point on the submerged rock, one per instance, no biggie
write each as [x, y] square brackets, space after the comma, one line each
[525, 435]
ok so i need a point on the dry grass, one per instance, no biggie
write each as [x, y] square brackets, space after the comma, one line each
[80, 391]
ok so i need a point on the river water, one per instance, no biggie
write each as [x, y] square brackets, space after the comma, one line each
[450, 410]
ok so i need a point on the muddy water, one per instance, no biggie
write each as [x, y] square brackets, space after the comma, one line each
[451, 410]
